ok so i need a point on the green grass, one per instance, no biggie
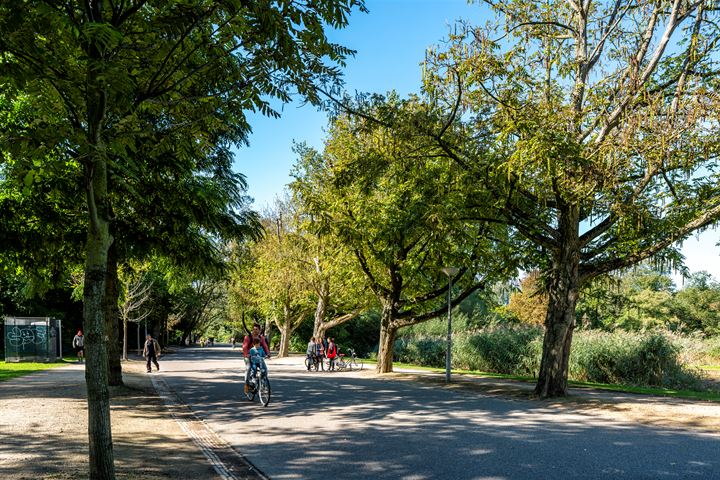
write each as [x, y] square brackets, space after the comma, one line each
[710, 367]
[663, 392]
[13, 370]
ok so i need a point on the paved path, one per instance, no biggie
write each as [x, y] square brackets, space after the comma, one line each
[353, 425]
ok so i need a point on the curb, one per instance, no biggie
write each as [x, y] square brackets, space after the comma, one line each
[227, 462]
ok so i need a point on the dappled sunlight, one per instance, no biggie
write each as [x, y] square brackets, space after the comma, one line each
[376, 426]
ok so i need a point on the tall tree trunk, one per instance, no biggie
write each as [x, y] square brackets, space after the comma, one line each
[560, 319]
[285, 331]
[96, 371]
[320, 312]
[112, 317]
[386, 346]
[101, 459]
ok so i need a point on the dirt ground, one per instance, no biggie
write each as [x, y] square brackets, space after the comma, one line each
[43, 430]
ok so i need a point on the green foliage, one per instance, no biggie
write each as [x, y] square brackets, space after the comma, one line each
[513, 350]
[647, 359]
[644, 299]
[641, 359]
[424, 351]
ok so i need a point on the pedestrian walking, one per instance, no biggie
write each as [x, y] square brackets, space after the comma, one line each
[79, 346]
[151, 352]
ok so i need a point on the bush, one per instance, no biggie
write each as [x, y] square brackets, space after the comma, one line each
[505, 350]
[425, 351]
[650, 359]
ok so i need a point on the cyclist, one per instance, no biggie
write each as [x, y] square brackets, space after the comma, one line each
[248, 342]
[257, 354]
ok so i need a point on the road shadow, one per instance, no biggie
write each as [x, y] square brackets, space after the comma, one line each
[359, 426]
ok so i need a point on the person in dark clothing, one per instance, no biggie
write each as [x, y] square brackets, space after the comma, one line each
[320, 353]
[151, 352]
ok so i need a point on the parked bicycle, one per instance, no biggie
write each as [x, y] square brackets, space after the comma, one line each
[349, 362]
[312, 362]
[259, 384]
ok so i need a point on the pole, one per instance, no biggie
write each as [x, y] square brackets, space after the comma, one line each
[449, 335]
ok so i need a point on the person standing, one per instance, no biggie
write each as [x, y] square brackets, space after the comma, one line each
[320, 353]
[310, 352]
[331, 354]
[79, 346]
[248, 344]
[151, 352]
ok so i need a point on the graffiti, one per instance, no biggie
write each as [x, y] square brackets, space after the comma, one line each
[19, 337]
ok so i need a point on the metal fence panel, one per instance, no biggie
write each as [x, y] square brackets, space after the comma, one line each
[32, 339]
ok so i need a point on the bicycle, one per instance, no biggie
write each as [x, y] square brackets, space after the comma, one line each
[312, 362]
[349, 362]
[259, 384]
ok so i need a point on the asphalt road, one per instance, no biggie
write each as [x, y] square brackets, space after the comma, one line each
[354, 426]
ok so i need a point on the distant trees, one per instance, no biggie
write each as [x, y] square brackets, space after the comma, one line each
[397, 204]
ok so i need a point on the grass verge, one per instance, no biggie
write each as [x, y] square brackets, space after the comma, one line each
[713, 396]
[14, 370]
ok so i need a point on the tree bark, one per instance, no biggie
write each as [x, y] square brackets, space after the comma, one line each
[560, 319]
[386, 346]
[101, 460]
[112, 317]
[318, 331]
[285, 332]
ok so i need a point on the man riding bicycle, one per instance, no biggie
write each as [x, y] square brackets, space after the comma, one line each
[248, 344]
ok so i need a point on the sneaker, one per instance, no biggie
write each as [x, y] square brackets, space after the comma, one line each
[149, 371]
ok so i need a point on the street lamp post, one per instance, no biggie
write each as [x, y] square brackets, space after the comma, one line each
[450, 272]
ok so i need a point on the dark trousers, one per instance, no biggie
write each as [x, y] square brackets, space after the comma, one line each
[332, 364]
[152, 358]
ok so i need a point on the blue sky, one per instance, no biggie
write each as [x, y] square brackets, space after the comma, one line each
[390, 41]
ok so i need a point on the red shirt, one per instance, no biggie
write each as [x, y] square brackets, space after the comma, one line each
[248, 344]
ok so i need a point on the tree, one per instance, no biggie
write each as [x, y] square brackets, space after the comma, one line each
[277, 277]
[595, 126]
[91, 67]
[133, 308]
[529, 305]
[396, 204]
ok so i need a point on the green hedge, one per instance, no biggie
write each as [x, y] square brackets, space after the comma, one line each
[647, 359]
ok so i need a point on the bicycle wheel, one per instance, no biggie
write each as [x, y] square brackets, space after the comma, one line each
[264, 390]
[356, 364]
[250, 393]
[308, 363]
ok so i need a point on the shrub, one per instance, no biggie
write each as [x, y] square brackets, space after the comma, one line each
[425, 351]
[650, 359]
